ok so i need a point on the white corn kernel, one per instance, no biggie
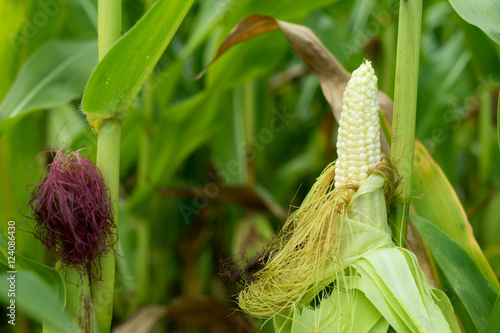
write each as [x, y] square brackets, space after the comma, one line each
[358, 143]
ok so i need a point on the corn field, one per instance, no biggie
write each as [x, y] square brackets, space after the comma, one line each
[249, 166]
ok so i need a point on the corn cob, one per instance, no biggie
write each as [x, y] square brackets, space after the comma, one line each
[358, 143]
[341, 237]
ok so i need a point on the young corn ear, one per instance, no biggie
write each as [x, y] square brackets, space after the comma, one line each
[358, 143]
[313, 248]
[334, 260]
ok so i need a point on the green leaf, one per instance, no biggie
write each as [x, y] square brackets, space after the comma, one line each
[64, 123]
[490, 228]
[209, 15]
[87, 22]
[18, 170]
[482, 13]
[54, 75]
[492, 253]
[494, 321]
[11, 12]
[49, 276]
[228, 143]
[393, 282]
[120, 75]
[467, 281]
[35, 298]
[436, 201]
[128, 249]
[248, 61]
[484, 55]
[190, 122]
[432, 96]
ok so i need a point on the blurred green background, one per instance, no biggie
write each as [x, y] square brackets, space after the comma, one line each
[211, 168]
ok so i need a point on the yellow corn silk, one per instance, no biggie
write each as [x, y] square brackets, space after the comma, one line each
[334, 267]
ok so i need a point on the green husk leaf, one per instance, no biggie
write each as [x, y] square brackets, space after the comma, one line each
[317, 242]
[364, 260]
[368, 204]
[397, 290]
[391, 279]
[333, 314]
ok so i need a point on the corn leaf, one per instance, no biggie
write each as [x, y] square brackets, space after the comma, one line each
[466, 280]
[18, 169]
[492, 253]
[120, 75]
[46, 274]
[482, 13]
[494, 321]
[11, 12]
[190, 121]
[443, 302]
[36, 299]
[87, 22]
[332, 76]
[54, 75]
[435, 200]
[483, 52]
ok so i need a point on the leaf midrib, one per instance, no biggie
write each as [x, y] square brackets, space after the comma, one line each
[57, 70]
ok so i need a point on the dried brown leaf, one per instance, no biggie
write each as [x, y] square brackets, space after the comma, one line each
[332, 75]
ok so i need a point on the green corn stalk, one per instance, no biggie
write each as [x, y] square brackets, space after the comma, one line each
[108, 161]
[405, 110]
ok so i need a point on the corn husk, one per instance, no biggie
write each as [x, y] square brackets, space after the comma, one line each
[335, 268]
[311, 250]
[381, 284]
[333, 316]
